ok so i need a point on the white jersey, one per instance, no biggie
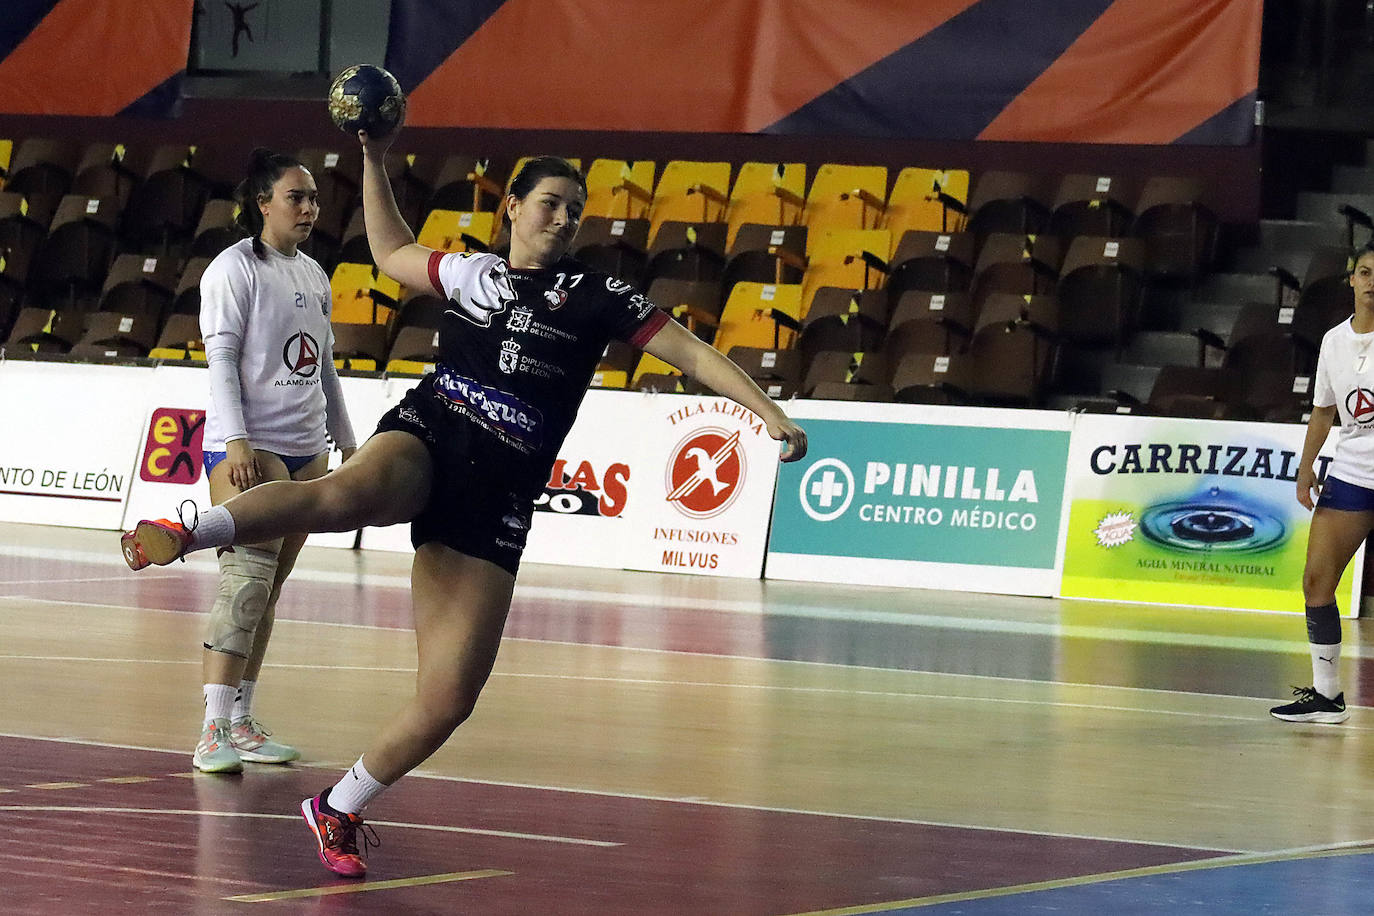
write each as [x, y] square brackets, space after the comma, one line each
[1345, 380]
[275, 313]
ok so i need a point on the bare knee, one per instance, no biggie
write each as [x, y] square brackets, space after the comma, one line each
[1319, 586]
[446, 708]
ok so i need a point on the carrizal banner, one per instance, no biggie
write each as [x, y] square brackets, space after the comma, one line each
[926, 497]
[1193, 512]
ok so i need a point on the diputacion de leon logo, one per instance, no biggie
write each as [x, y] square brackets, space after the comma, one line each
[827, 489]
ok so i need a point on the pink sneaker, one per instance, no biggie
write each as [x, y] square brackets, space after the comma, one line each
[157, 542]
[337, 836]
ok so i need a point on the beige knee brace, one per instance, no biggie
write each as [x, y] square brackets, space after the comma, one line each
[246, 575]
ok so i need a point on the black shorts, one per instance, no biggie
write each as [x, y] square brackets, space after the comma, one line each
[482, 497]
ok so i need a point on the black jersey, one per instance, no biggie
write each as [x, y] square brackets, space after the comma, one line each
[517, 348]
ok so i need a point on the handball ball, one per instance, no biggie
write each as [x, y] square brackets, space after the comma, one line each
[365, 97]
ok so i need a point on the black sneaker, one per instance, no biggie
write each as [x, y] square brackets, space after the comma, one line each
[1311, 706]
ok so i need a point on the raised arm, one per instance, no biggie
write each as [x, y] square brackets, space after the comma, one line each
[394, 249]
[678, 347]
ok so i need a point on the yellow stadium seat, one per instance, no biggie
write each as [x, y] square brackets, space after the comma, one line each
[690, 192]
[6, 152]
[926, 200]
[760, 315]
[846, 197]
[619, 189]
[407, 367]
[362, 294]
[767, 193]
[456, 230]
[837, 259]
[648, 363]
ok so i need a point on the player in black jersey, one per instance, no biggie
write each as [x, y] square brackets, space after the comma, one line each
[465, 453]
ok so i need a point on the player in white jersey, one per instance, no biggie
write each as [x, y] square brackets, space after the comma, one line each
[264, 316]
[1344, 512]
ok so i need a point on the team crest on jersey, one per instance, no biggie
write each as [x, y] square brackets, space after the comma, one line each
[555, 297]
[519, 319]
[510, 356]
[616, 286]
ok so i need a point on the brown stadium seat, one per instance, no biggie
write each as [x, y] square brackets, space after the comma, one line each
[1007, 201]
[1179, 230]
[1013, 348]
[1100, 287]
[924, 322]
[1088, 204]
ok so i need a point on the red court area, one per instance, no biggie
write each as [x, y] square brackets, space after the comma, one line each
[110, 830]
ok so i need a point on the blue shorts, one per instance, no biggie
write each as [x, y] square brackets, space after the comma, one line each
[292, 462]
[1337, 494]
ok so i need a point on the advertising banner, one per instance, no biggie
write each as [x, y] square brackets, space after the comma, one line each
[1192, 512]
[70, 434]
[686, 488]
[925, 497]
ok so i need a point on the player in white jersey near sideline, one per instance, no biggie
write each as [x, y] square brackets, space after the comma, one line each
[264, 316]
[1344, 512]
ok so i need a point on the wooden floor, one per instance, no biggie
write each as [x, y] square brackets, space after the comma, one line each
[736, 746]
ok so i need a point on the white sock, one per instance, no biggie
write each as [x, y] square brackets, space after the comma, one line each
[1326, 669]
[214, 528]
[243, 702]
[352, 793]
[219, 700]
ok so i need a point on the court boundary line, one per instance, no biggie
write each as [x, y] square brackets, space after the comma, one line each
[1348, 651]
[635, 796]
[267, 815]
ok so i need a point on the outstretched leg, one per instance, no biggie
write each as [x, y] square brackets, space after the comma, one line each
[386, 482]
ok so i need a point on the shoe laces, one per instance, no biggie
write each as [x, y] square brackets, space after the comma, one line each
[190, 526]
[1305, 694]
[345, 837]
[252, 724]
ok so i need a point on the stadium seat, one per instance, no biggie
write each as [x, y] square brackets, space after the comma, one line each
[467, 183]
[216, 229]
[140, 285]
[764, 315]
[683, 250]
[620, 189]
[1179, 230]
[1090, 205]
[1099, 289]
[42, 330]
[1006, 201]
[617, 246]
[926, 200]
[360, 347]
[766, 194]
[843, 319]
[846, 197]
[362, 294]
[924, 378]
[453, 230]
[179, 339]
[1013, 348]
[71, 263]
[690, 192]
[933, 261]
[112, 334]
[777, 372]
[934, 323]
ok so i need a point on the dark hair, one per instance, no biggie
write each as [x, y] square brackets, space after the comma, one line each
[264, 168]
[536, 170]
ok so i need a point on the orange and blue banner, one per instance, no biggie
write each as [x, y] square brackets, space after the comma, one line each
[1073, 71]
[93, 57]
